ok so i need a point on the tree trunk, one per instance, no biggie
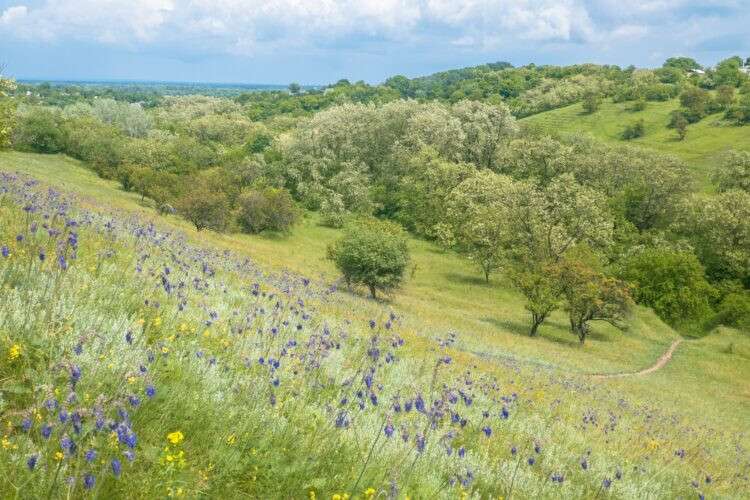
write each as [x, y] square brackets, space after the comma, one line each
[536, 322]
[373, 292]
[486, 276]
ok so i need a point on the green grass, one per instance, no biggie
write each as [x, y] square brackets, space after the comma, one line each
[706, 140]
[703, 388]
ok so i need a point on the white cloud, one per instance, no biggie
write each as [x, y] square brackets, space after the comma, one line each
[247, 26]
[12, 14]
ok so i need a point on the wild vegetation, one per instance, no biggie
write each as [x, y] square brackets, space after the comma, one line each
[130, 346]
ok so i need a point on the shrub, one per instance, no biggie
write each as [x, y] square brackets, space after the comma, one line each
[372, 253]
[39, 130]
[267, 209]
[673, 283]
[206, 208]
[679, 122]
[733, 311]
[591, 102]
[634, 130]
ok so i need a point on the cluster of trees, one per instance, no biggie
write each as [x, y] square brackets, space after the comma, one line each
[572, 223]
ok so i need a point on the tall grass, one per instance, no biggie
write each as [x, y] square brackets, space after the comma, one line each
[138, 364]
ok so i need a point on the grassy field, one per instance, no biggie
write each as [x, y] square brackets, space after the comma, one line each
[706, 140]
[699, 402]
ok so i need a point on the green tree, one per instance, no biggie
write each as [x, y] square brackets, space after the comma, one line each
[536, 282]
[205, 207]
[294, 88]
[372, 253]
[7, 111]
[725, 96]
[683, 63]
[671, 282]
[589, 294]
[733, 172]
[696, 103]
[680, 124]
[718, 227]
[39, 130]
[267, 209]
[591, 102]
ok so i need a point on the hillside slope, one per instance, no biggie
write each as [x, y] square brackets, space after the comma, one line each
[623, 424]
[706, 140]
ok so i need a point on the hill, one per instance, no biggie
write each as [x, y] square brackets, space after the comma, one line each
[546, 416]
[702, 148]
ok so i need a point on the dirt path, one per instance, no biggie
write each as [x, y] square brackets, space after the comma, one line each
[663, 360]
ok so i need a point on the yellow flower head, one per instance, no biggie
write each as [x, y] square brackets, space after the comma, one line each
[14, 352]
[175, 437]
[59, 456]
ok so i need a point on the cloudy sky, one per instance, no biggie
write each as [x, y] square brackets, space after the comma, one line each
[320, 41]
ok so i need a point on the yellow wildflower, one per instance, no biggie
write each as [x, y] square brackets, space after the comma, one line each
[59, 456]
[175, 437]
[231, 439]
[157, 321]
[165, 349]
[14, 352]
[131, 380]
[370, 492]
[6, 442]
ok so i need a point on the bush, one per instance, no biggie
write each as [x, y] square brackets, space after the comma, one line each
[591, 102]
[733, 311]
[372, 253]
[672, 283]
[268, 209]
[206, 208]
[634, 130]
[39, 130]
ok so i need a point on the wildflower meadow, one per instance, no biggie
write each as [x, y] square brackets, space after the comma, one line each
[139, 363]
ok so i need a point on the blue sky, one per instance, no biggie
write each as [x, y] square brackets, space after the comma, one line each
[320, 41]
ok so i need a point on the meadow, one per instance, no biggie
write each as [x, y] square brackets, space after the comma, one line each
[702, 148]
[144, 358]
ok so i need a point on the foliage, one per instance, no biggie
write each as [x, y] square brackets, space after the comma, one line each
[634, 130]
[589, 294]
[536, 282]
[671, 282]
[591, 102]
[7, 112]
[266, 209]
[372, 253]
[719, 229]
[39, 130]
[733, 172]
[205, 207]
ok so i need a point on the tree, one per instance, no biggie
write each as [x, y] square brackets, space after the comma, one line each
[486, 128]
[680, 124]
[733, 172]
[671, 282]
[205, 207]
[727, 72]
[39, 130]
[425, 191]
[7, 111]
[725, 97]
[373, 253]
[718, 227]
[591, 102]
[695, 102]
[267, 209]
[294, 88]
[683, 63]
[536, 282]
[589, 294]
[477, 221]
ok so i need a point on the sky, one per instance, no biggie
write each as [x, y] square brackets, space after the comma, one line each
[321, 41]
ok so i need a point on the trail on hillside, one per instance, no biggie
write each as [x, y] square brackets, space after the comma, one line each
[660, 363]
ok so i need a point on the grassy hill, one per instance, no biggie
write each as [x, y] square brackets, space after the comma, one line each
[696, 407]
[706, 140]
